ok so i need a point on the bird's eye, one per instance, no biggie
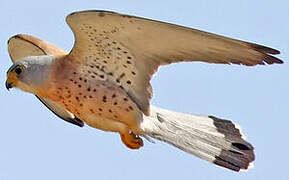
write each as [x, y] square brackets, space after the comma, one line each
[18, 70]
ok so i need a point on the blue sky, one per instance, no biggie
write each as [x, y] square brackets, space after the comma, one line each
[35, 144]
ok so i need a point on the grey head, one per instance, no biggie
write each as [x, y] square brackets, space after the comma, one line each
[29, 72]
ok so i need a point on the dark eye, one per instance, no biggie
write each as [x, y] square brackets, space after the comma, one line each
[18, 70]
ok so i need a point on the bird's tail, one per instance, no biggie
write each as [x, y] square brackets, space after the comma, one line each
[216, 140]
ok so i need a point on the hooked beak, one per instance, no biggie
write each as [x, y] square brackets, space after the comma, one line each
[8, 85]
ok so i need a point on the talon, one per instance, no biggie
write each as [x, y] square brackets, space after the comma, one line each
[131, 140]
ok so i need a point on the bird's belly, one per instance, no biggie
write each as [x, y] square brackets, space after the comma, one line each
[98, 104]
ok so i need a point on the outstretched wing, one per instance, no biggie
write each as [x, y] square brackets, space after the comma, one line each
[21, 46]
[129, 49]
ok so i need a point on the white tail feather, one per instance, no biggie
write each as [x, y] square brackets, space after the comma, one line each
[212, 139]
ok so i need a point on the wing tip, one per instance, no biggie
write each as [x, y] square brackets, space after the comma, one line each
[272, 60]
[15, 37]
[78, 122]
[267, 52]
[265, 49]
[24, 37]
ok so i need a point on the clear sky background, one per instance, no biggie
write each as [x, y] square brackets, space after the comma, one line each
[35, 144]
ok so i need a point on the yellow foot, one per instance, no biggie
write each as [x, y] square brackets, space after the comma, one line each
[131, 140]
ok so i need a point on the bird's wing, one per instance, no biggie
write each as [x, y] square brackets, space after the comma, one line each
[21, 46]
[61, 112]
[130, 49]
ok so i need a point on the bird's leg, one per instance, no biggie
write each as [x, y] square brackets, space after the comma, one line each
[131, 140]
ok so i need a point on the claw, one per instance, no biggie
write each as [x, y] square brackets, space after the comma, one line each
[131, 140]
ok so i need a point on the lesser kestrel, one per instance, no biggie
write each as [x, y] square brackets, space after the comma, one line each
[104, 81]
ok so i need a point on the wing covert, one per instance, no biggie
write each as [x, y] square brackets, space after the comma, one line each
[130, 49]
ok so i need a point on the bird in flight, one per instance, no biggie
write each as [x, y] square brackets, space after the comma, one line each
[104, 81]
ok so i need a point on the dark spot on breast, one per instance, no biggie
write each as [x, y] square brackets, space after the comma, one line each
[104, 98]
[99, 109]
[128, 82]
[125, 99]
[113, 96]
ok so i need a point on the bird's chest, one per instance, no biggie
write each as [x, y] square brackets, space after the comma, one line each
[91, 98]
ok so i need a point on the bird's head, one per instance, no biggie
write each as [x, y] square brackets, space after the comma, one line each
[29, 74]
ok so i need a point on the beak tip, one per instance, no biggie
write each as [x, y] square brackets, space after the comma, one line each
[8, 85]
